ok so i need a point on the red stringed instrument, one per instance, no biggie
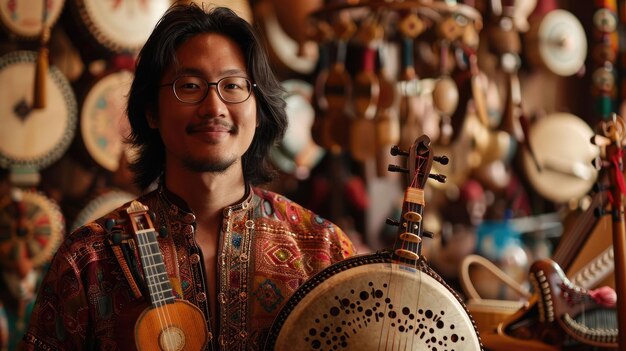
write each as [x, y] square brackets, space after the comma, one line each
[562, 315]
[168, 324]
[387, 300]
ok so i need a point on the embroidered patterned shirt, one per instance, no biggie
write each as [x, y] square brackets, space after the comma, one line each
[269, 246]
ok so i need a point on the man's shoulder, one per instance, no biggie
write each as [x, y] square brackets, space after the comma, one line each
[276, 206]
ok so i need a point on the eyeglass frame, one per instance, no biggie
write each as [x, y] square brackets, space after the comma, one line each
[209, 84]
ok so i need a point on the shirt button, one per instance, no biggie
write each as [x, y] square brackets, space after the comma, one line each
[188, 229]
[201, 297]
[189, 218]
[221, 297]
[195, 258]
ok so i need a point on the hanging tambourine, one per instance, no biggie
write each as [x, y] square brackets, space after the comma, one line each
[103, 121]
[120, 27]
[102, 204]
[561, 170]
[31, 229]
[558, 42]
[31, 139]
[25, 19]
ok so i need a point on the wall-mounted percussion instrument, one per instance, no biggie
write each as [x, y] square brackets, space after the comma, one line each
[390, 299]
[118, 27]
[557, 41]
[31, 229]
[104, 125]
[32, 139]
[562, 169]
[26, 19]
[100, 205]
[283, 23]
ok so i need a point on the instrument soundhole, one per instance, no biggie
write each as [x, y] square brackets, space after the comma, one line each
[362, 312]
[172, 339]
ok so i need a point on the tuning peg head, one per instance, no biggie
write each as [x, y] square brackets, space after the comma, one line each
[438, 177]
[600, 140]
[428, 234]
[393, 222]
[441, 159]
[395, 151]
[394, 168]
[599, 212]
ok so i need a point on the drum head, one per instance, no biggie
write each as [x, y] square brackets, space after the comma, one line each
[25, 18]
[374, 306]
[33, 138]
[103, 121]
[37, 237]
[100, 206]
[120, 27]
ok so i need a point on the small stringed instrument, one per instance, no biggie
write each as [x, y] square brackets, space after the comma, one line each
[387, 300]
[168, 324]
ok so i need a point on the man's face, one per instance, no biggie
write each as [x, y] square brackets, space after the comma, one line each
[210, 135]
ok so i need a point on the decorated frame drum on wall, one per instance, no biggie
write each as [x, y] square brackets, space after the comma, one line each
[32, 139]
[103, 121]
[26, 19]
[119, 27]
[31, 229]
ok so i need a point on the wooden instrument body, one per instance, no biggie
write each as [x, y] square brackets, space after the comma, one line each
[558, 313]
[369, 302]
[167, 324]
[172, 323]
[386, 300]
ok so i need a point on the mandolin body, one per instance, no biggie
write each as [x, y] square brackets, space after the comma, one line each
[174, 326]
[368, 302]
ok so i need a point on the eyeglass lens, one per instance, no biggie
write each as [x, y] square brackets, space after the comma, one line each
[192, 89]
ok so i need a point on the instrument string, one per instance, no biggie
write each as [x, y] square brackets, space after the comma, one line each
[418, 209]
[158, 301]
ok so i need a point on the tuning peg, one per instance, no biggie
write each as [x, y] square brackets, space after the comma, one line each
[438, 177]
[599, 212]
[393, 222]
[395, 151]
[600, 140]
[441, 159]
[598, 163]
[394, 168]
[110, 223]
[428, 234]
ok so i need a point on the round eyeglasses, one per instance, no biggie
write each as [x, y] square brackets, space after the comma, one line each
[192, 89]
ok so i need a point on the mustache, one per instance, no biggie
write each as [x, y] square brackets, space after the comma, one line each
[211, 124]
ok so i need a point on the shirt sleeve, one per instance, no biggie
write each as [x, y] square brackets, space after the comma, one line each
[60, 317]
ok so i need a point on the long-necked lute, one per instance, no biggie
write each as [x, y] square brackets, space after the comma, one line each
[167, 324]
[387, 300]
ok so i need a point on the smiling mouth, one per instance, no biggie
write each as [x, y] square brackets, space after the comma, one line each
[211, 127]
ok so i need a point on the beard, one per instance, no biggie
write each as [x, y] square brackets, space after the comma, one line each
[211, 166]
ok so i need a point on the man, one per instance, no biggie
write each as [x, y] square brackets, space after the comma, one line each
[204, 109]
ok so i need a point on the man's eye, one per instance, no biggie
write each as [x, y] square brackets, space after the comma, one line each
[232, 86]
[189, 86]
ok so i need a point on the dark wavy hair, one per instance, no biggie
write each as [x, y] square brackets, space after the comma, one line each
[178, 24]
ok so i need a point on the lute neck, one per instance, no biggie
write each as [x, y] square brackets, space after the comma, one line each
[155, 273]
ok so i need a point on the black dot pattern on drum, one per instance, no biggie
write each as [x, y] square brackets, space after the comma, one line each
[362, 308]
